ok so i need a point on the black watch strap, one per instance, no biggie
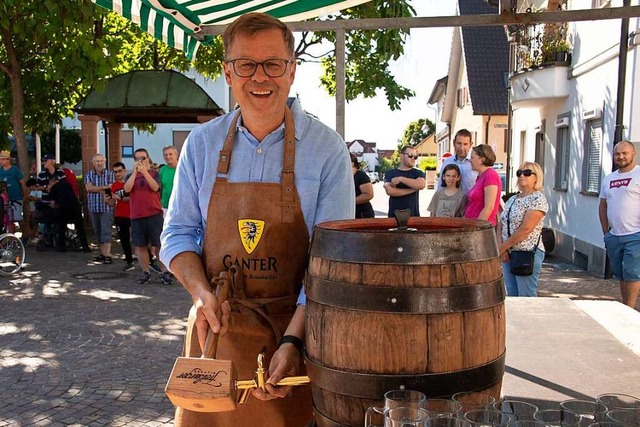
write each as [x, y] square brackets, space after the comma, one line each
[292, 339]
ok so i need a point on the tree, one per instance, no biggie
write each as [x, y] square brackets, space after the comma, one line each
[416, 132]
[368, 53]
[52, 53]
[48, 49]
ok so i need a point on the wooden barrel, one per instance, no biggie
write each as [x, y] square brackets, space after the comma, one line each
[421, 309]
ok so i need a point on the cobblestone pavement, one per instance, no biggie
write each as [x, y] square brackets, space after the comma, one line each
[83, 344]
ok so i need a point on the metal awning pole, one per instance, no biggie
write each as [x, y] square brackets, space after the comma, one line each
[340, 81]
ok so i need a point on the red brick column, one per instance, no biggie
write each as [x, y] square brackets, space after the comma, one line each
[89, 134]
[114, 143]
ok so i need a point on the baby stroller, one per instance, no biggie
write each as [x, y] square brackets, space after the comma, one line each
[46, 216]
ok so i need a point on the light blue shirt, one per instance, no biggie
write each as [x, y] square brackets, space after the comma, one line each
[323, 176]
[468, 176]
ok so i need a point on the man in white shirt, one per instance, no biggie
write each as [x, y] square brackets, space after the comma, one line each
[462, 144]
[620, 219]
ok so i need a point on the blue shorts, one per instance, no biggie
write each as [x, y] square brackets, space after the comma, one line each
[146, 231]
[624, 254]
[101, 223]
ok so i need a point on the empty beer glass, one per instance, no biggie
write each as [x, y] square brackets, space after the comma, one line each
[448, 422]
[488, 417]
[557, 417]
[394, 399]
[473, 400]
[585, 408]
[624, 417]
[610, 401]
[519, 409]
[405, 417]
[443, 408]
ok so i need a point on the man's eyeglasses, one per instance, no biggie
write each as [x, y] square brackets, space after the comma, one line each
[139, 159]
[247, 67]
[525, 172]
[411, 156]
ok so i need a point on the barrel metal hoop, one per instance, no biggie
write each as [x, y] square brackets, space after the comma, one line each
[397, 299]
[374, 386]
[406, 248]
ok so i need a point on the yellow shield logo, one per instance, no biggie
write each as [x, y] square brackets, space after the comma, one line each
[250, 233]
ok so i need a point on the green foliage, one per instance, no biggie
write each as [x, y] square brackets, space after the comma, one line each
[368, 53]
[428, 163]
[414, 134]
[54, 52]
[70, 144]
[388, 164]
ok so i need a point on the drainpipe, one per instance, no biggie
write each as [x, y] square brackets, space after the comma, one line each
[622, 73]
[486, 130]
[622, 68]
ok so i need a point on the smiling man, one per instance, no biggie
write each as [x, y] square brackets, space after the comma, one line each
[249, 188]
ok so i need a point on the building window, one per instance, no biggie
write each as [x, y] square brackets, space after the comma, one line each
[462, 97]
[563, 149]
[126, 143]
[592, 163]
[598, 4]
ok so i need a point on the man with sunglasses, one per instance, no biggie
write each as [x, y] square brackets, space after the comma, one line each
[619, 213]
[249, 188]
[404, 183]
[143, 186]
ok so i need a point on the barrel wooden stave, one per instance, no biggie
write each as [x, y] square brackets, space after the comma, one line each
[390, 343]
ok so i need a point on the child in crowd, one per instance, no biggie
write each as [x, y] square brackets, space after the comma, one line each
[5, 205]
[33, 197]
[449, 201]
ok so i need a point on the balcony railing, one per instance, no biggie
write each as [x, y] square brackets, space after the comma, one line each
[539, 44]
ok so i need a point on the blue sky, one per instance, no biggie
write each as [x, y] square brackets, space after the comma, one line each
[426, 60]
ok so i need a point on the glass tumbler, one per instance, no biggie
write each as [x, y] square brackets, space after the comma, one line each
[585, 408]
[519, 409]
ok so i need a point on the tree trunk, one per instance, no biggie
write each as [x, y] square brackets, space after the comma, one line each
[17, 110]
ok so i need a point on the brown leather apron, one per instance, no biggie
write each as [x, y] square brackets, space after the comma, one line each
[259, 228]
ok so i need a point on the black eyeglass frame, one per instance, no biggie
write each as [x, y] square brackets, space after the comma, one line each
[411, 156]
[262, 64]
[525, 172]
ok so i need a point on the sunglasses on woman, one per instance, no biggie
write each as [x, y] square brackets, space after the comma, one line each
[525, 172]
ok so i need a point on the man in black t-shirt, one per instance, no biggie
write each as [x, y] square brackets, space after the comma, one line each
[403, 183]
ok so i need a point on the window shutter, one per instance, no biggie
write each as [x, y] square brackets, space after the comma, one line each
[594, 156]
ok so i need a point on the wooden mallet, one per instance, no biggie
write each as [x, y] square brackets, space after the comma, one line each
[204, 384]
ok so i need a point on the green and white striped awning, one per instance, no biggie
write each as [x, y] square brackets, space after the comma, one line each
[178, 22]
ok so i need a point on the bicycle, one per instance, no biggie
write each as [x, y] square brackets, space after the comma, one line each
[12, 254]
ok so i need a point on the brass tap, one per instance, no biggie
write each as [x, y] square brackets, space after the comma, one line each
[260, 380]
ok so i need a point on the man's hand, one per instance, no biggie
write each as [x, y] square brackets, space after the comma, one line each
[396, 180]
[141, 168]
[206, 306]
[284, 363]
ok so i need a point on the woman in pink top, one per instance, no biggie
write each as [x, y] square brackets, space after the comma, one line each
[484, 196]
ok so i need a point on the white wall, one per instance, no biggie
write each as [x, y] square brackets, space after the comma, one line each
[593, 84]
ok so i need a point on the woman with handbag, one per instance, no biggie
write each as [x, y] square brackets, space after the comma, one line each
[519, 233]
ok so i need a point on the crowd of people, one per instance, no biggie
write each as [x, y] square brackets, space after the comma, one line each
[134, 202]
[469, 187]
